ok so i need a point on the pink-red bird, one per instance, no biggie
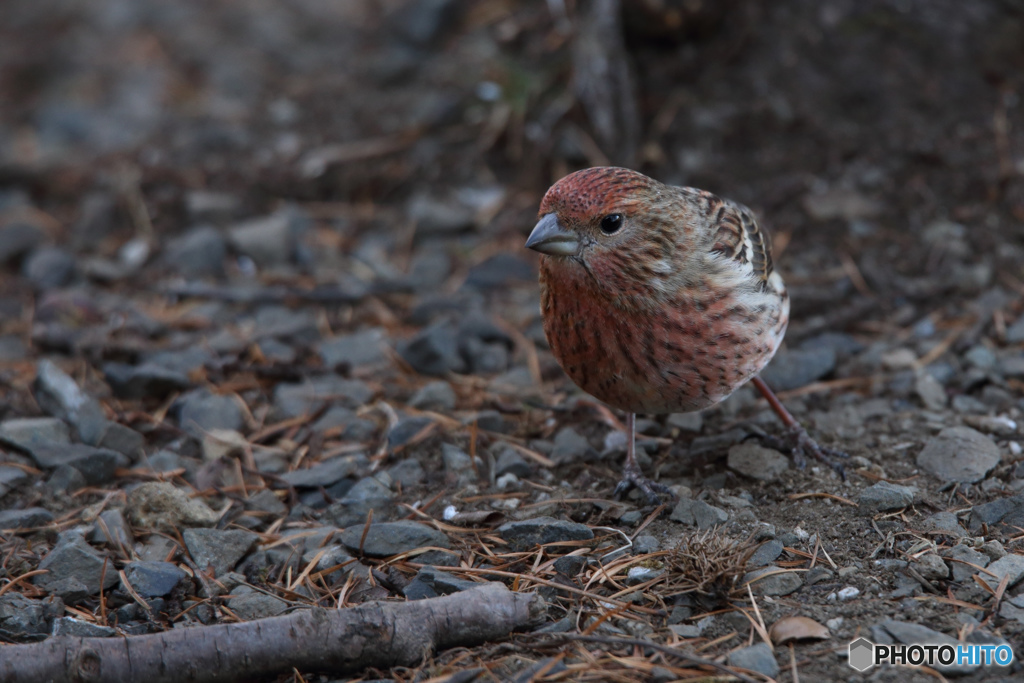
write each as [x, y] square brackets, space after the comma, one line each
[659, 299]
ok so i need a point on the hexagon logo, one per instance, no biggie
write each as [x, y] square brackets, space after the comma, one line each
[862, 654]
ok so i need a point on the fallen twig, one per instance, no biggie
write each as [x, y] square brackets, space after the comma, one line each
[376, 634]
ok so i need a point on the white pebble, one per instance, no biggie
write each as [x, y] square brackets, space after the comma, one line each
[1015, 448]
[506, 480]
[848, 593]
[449, 513]
[834, 623]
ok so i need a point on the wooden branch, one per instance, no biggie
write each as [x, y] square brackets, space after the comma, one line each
[376, 634]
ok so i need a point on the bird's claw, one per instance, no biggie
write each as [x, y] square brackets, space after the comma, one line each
[798, 443]
[632, 478]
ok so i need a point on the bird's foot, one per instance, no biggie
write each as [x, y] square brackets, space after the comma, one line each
[632, 478]
[799, 444]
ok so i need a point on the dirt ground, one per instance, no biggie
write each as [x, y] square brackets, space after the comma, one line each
[264, 237]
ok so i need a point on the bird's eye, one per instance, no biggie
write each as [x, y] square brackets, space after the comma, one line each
[611, 223]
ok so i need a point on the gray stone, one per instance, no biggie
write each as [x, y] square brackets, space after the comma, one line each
[686, 422]
[277, 351]
[1015, 332]
[961, 554]
[70, 626]
[945, 522]
[1009, 511]
[772, 580]
[12, 477]
[1008, 565]
[1012, 366]
[332, 556]
[198, 252]
[439, 582]
[17, 239]
[959, 454]
[49, 268]
[97, 465]
[501, 270]
[509, 461]
[268, 240]
[964, 404]
[147, 380]
[1012, 608]
[70, 590]
[407, 473]
[528, 533]
[757, 462]
[488, 421]
[349, 512]
[931, 567]
[346, 424]
[154, 579]
[121, 439]
[162, 507]
[570, 565]
[298, 326]
[406, 429]
[845, 345]
[570, 447]
[994, 549]
[201, 410]
[885, 496]
[74, 558]
[59, 395]
[908, 634]
[484, 358]
[433, 351]
[375, 488]
[218, 548]
[980, 357]
[23, 433]
[98, 216]
[327, 472]
[294, 400]
[458, 464]
[110, 528]
[25, 519]
[433, 215]
[364, 348]
[930, 391]
[185, 361]
[12, 348]
[437, 395]
[385, 539]
[249, 604]
[265, 501]
[759, 658]
[645, 544]
[698, 513]
[766, 553]
[795, 368]
[20, 615]
[211, 205]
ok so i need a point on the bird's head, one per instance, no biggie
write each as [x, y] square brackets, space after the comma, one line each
[625, 229]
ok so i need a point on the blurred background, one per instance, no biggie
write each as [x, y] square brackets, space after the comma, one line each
[402, 147]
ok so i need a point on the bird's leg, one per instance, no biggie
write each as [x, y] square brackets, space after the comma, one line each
[797, 441]
[631, 474]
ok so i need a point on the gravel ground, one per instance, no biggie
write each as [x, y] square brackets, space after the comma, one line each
[269, 337]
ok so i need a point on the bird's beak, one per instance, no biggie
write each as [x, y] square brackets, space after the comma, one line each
[549, 237]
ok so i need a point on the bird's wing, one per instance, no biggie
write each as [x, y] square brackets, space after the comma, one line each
[741, 239]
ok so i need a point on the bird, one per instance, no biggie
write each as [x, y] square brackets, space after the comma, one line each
[660, 299]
